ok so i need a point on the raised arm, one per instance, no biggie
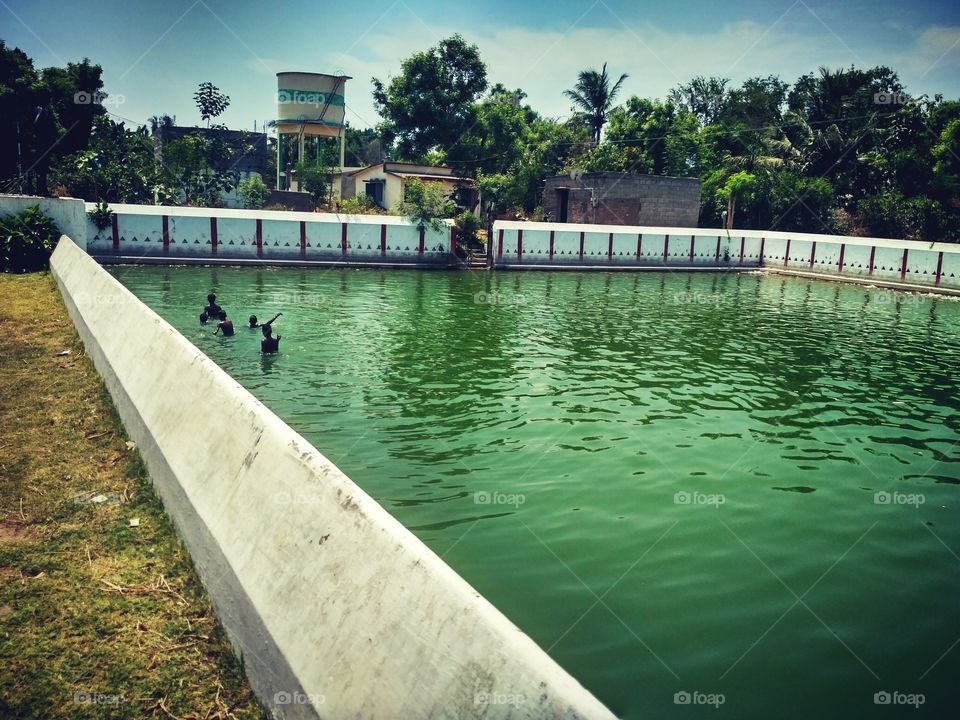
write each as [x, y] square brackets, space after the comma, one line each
[273, 318]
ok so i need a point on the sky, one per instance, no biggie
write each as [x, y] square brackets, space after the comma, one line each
[154, 54]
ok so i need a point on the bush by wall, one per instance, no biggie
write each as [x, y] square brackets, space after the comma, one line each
[26, 241]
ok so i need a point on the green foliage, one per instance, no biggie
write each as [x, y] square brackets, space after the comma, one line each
[315, 180]
[360, 205]
[593, 96]
[430, 102]
[253, 192]
[193, 170]
[210, 101]
[54, 109]
[118, 165]
[425, 203]
[26, 241]
[468, 226]
[101, 215]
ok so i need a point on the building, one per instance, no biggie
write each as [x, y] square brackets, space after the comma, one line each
[616, 198]
[249, 151]
[384, 183]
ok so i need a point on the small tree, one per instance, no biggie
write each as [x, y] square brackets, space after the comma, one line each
[253, 192]
[426, 203]
[210, 101]
[738, 186]
[468, 226]
[314, 179]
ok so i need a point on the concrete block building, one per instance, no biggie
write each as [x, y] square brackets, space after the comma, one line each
[616, 198]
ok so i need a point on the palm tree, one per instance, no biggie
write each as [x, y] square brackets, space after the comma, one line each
[594, 97]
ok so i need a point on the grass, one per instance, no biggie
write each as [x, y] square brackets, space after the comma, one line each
[99, 616]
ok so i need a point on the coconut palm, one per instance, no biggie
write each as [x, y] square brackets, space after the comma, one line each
[593, 96]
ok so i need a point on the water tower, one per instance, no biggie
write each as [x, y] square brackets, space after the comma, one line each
[309, 105]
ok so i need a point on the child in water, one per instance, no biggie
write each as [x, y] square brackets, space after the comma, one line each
[255, 324]
[203, 318]
[269, 344]
[212, 310]
[225, 325]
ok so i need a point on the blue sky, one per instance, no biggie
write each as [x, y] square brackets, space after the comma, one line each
[155, 53]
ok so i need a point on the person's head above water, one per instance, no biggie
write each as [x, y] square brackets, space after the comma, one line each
[253, 321]
[266, 329]
[222, 315]
[203, 317]
[212, 298]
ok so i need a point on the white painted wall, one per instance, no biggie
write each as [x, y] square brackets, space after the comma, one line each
[68, 213]
[326, 596]
[821, 254]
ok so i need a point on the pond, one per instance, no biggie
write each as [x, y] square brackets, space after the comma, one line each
[735, 491]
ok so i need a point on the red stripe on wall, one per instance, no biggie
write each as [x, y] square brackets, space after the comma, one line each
[939, 267]
[581, 244]
[259, 238]
[691, 248]
[423, 236]
[610, 247]
[519, 245]
[551, 244]
[743, 242]
[666, 246]
[500, 244]
[639, 245]
[717, 257]
[873, 252]
[343, 238]
[813, 253]
[166, 234]
[762, 243]
[903, 264]
[383, 240]
[115, 224]
[213, 235]
[843, 250]
[786, 255]
[303, 238]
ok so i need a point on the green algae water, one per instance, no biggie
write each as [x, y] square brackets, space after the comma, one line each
[731, 496]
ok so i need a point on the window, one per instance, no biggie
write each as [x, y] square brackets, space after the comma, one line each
[374, 190]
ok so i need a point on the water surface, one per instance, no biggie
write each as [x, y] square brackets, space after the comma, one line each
[743, 485]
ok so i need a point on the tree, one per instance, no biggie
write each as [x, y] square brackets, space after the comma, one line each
[210, 101]
[425, 203]
[738, 186]
[593, 96]
[118, 166]
[704, 97]
[430, 103]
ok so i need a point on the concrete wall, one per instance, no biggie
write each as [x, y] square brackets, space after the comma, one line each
[147, 231]
[68, 213]
[563, 245]
[612, 198]
[338, 610]
[518, 244]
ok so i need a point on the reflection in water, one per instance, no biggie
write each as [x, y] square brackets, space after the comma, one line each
[694, 449]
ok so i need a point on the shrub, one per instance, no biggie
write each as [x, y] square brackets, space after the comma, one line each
[26, 241]
[101, 215]
[426, 203]
[253, 192]
[360, 205]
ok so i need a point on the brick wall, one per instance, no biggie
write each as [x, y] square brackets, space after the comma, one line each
[625, 199]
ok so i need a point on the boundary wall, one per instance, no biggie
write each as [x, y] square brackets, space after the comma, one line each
[336, 609]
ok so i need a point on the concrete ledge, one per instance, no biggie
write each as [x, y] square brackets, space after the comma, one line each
[337, 610]
[868, 281]
[221, 261]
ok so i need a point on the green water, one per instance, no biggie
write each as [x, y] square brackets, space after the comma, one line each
[578, 405]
